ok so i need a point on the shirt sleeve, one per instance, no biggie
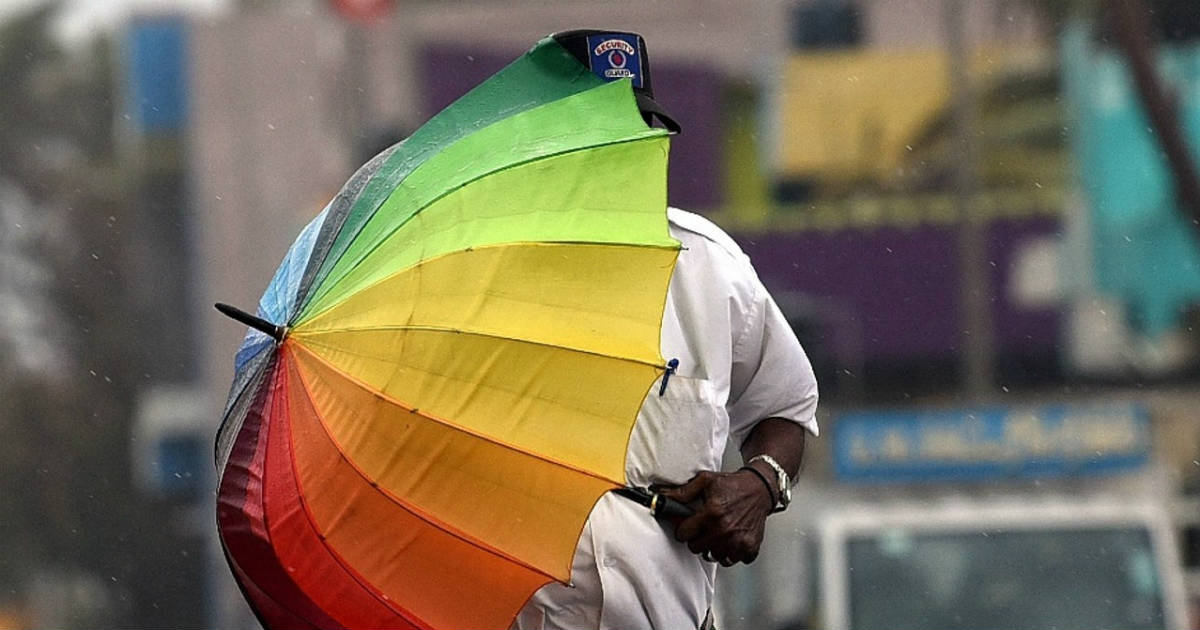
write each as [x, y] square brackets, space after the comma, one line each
[771, 376]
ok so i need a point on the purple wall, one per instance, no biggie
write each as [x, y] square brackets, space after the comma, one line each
[692, 94]
[900, 288]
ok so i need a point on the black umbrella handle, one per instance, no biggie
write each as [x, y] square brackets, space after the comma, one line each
[661, 507]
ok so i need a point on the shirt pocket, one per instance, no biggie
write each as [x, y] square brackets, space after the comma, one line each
[678, 433]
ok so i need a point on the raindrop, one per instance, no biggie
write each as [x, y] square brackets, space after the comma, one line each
[908, 146]
[470, 58]
[270, 126]
[1004, 388]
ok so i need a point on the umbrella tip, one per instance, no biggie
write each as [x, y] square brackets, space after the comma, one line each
[276, 332]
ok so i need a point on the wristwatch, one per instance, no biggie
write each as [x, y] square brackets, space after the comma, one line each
[781, 478]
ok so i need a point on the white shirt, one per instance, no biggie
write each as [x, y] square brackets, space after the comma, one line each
[739, 363]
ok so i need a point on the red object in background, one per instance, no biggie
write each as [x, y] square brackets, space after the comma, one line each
[363, 10]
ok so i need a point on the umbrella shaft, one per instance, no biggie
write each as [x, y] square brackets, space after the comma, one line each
[660, 506]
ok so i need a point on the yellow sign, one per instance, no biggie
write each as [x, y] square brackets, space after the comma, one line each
[856, 114]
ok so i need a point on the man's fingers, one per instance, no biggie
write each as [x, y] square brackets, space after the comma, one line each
[689, 491]
[689, 528]
[727, 524]
[728, 549]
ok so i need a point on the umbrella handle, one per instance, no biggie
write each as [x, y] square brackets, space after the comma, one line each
[660, 506]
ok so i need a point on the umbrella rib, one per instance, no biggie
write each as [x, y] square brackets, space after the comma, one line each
[420, 263]
[317, 297]
[405, 505]
[227, 430]
[452, 425]
[275, 400]
[308, 338]
[367, 586]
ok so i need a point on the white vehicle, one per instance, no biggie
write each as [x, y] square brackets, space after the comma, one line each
[1027, 564]
[1014, 517]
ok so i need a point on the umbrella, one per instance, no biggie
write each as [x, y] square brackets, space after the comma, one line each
[442, 377]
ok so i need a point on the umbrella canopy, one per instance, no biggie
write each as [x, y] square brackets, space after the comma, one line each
[445, 371]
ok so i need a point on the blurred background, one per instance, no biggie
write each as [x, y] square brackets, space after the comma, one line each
[980, 216]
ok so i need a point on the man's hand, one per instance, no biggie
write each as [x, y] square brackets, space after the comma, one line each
[732, 508]
[729, 519]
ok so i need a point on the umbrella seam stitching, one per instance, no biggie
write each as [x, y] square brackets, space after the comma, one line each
[420, 263]
[309, 338]
[368, 386]
[370, 588]
[405, 505]
[320, 295]
[449, 424]
[423, 154]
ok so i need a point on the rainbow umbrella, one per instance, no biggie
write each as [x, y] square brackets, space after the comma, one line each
[444, 373]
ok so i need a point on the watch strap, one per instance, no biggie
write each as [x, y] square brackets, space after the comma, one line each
[781, 478]
[766, 484]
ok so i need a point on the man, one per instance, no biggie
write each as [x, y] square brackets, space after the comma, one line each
[742, 376]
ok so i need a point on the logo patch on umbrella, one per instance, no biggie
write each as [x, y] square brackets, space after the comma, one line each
[615, 56]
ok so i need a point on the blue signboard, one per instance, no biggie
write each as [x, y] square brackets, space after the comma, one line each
[990, 443]
[157, 74]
